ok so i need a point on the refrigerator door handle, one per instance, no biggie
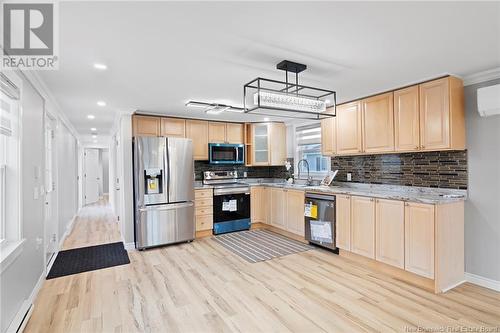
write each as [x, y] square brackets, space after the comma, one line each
[167, 167]
[167, 207]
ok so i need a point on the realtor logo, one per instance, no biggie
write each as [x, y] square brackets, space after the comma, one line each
[29, 33]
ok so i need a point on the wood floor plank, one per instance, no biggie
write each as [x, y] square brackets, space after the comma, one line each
[201, 287]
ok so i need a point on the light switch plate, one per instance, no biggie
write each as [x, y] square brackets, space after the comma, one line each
[35, 193]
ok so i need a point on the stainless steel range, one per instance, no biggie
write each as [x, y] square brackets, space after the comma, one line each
[231, 202]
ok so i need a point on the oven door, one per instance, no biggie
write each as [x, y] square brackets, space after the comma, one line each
[220, 153]
[231, 212]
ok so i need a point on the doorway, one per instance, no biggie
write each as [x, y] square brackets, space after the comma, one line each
[50, 209]
[91, 176]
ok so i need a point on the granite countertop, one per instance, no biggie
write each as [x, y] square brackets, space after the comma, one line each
[405, 193]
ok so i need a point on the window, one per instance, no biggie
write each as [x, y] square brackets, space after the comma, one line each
[308, 141]
[9, 160]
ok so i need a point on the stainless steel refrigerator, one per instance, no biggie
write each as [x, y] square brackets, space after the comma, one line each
[163, 191]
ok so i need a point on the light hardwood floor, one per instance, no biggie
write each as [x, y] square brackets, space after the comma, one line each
[201, 287]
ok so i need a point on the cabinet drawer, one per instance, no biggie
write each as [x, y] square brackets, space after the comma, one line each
[204, 222]
[203, 211]
[202, 194]
[202, 202]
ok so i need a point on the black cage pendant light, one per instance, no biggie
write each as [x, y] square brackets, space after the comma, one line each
[288, 99]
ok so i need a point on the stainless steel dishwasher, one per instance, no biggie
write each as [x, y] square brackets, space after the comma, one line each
[320, 220]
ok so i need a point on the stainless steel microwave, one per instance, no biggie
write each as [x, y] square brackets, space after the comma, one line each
[224, 153]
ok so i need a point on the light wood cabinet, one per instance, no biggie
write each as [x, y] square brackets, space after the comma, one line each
[145, 126]
[203, 203]
[235, 133]
[407, 119]
[278, 206]
[259, 204]
[378, 123]
[419, 239]
[389, 234]
[348, 129]
[216, 132]
[197, 130]
[294, 215]
[343, 222]
[328, 137]
[173, 127]
[277, 141]
[268, 144]
[442, 118]
[363, 226]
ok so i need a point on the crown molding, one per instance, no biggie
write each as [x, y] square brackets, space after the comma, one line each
[491, 74]
[43, 90]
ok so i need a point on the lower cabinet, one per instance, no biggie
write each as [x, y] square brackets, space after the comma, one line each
[294, 213]
[343, 222]
[389, 233]
[278, 206]
[419, 239]
[203, 204]
[363, 226]
[259, 204]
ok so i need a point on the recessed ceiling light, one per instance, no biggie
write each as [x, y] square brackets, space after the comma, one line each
[101, 67]
[93, 129]
[94, 136]
[94, 141]
[101, 103]
[266, 119]
[90, 116]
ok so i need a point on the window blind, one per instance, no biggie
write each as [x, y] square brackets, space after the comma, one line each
[308, 134]
[8, 94]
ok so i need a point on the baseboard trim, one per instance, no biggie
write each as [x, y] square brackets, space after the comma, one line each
[129, 246]
[453, 286]
[23, 315]
[482, 281]
[69, 229]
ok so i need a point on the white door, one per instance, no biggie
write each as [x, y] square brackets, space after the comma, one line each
[91, 175]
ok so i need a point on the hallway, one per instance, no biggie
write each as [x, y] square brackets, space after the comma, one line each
[201, 287]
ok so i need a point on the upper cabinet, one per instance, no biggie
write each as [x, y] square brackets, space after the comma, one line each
[442, 119]
[424, 117]
[219, 132]
[406, 119]
[216, 132]
[378, 123]
[267, 144]
[348, 128]
[173, 127]
[145, 126]
[235, 133]
[328, 145]
[197, 130]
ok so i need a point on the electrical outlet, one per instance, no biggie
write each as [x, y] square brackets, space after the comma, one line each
[349, 176]
[245, 174]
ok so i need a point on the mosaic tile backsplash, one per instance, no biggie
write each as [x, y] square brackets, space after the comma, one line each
[444, 169]
[252, 172]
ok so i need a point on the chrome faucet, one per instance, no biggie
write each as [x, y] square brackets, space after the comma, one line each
[309, 178]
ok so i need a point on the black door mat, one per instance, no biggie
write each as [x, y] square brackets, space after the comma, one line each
[90, 258]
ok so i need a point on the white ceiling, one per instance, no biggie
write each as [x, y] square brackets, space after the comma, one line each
[162, 54]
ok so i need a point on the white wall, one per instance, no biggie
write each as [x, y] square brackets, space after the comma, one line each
[67, 177]
[482, 209]
[19, 279]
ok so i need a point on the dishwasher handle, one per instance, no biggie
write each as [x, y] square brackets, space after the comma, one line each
[320, 196]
